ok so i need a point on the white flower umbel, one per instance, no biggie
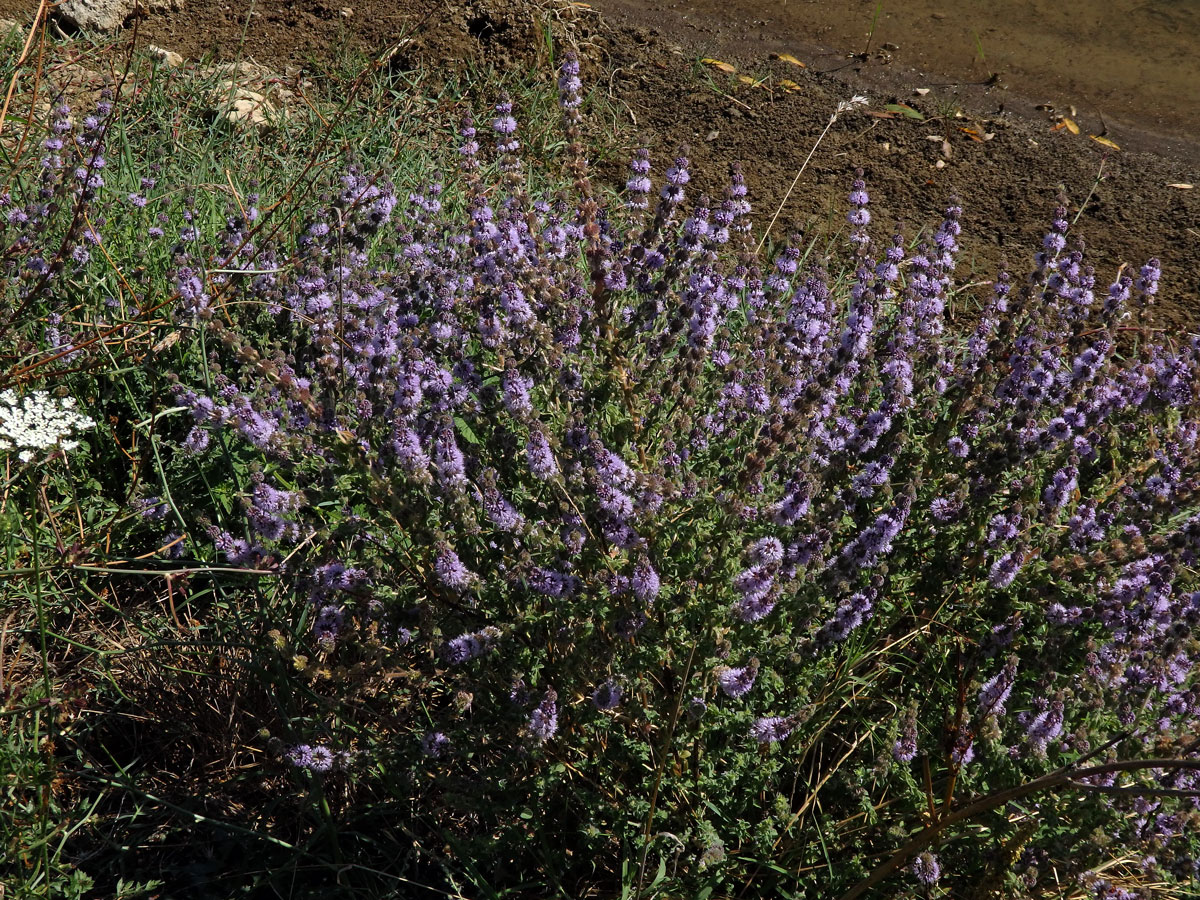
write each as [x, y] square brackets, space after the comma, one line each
[38, 422]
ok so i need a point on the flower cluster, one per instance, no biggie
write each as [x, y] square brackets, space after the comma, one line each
[37, 422]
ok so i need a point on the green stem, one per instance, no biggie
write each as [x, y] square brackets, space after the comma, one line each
[661, 768]
[44, 800]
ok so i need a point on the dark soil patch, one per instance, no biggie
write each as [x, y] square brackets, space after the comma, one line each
[647, 70]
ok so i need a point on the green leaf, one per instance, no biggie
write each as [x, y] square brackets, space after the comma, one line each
[661, 875]
[465, 430]
[905, 110]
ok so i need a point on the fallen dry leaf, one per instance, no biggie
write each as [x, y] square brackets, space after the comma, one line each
[789, 85]
[788, 58]
[169, 341]
[1181, 186]
[1105, 141]
[725, 67]
[972, 133]
[1071, 126]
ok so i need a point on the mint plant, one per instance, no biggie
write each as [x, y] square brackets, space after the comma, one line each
[614, 547]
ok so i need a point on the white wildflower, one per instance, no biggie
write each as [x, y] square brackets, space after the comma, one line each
[847, 105]
[38, 422]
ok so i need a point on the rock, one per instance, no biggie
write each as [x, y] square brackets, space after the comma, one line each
[7, 27]
[168, 58]
[247, 94]
[242, 106]
[106, 15]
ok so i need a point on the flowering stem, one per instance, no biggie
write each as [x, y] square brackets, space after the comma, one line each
[841, 107]
[1095, 184]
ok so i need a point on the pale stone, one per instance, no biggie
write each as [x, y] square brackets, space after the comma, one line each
[248, 94]
[241, 106]
[106, 15]
[167, 57]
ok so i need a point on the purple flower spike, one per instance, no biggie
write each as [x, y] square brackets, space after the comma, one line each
[541, 458]
[451, 571]
[995, 690]
[607, 696]
[905, 748]
[435, 744]
[644, 581]
[772, 729]
[926, 868]
[569, 84]
[737, 683]
[543, 721]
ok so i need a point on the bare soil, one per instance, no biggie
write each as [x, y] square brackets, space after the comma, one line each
[643, 58]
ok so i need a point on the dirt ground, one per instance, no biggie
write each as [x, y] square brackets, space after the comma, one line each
[645, 60]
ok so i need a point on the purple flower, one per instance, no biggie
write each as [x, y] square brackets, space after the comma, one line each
[1003, 527]
[905, 747]
[269, 510]
[875, 540]
[644, 581]
[772, 729]
[638, 184]
[737, 682]
[607, 696]
[925, 867]
[793, 506]
[448, 460]
[996, 689]
[543, 721]
[851, 613]
[767, 551]
[945, 509]
[858, 216]
[516, 393]
[541, 458]
[319, 759]
[469, 646]
[1004, 570]
[435, 744]
[569, 84]
[755, 585]
[550, 583]
[328, 623]
[1058, 491]
[501, 513]
[406, 444]
[451, 571]
[1043, 724]
[1147, 281]
[301, 756]
[962, 748]
[873, 475]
